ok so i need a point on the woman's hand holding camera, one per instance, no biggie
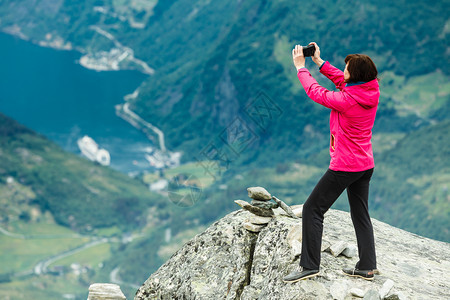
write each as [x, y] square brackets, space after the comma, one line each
[316, 58]
[299, 58]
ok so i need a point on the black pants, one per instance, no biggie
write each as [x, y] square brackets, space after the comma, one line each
[327, 190]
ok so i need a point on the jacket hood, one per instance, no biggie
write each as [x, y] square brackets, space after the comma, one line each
[366, 94]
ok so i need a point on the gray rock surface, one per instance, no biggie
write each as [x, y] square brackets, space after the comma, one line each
[105, 291]
[295, 233]
[294, 239]
[229, 262]
[372, 295]
[296, 247]
[396, 296]
[297, 210]
[213, 265]
[338, 289]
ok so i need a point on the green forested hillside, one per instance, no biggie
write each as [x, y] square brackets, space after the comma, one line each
[63, 217]
[78, 193]
[213, 58]
[413, 180]
[245, 48]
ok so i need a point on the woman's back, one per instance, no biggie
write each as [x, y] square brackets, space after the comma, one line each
[353, 111]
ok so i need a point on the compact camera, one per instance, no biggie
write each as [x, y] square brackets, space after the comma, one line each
[309, 50]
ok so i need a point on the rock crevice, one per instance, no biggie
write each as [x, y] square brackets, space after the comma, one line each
[249, 264]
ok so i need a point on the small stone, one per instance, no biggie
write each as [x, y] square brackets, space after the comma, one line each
[285, 207]
[296, 247]
[397, 296]
[357, 292]
[338, 290]
[325, 246]
[386, 288]
[254, 210]
[258, 193]
[376, 272]
[264, 204]
[259, 220]
[371, 295]
[242, 203]
[337, 248]
[350, 251]
[100, 291]
[253, 227]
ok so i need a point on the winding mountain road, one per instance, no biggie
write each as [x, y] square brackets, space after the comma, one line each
[42, 266]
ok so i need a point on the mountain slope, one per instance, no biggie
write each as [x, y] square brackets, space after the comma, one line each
[248, 52]
[77, 192]
[212, 59]
[410, 186]
[63, 218]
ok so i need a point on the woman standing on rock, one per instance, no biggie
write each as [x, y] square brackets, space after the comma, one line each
[353, 111]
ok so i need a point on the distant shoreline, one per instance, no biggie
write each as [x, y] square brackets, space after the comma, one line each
[98, 61]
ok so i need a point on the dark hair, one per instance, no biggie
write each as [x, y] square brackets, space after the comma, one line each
[361, 68]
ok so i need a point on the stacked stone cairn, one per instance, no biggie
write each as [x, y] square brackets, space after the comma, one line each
[262, 208]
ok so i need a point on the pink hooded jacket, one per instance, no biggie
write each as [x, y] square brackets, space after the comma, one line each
[353, 111]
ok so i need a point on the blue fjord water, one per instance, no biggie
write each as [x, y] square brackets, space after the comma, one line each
[47, 91]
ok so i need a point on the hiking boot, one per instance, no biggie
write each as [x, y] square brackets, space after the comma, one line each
[300, 275]
[364, 274]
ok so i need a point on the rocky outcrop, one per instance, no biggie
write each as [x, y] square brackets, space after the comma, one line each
[228, 261]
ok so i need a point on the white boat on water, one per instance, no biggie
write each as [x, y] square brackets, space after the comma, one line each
[90, 149]
[159, 159]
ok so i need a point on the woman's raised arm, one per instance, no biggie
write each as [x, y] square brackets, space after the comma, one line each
[334, 74]
[331, 72]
